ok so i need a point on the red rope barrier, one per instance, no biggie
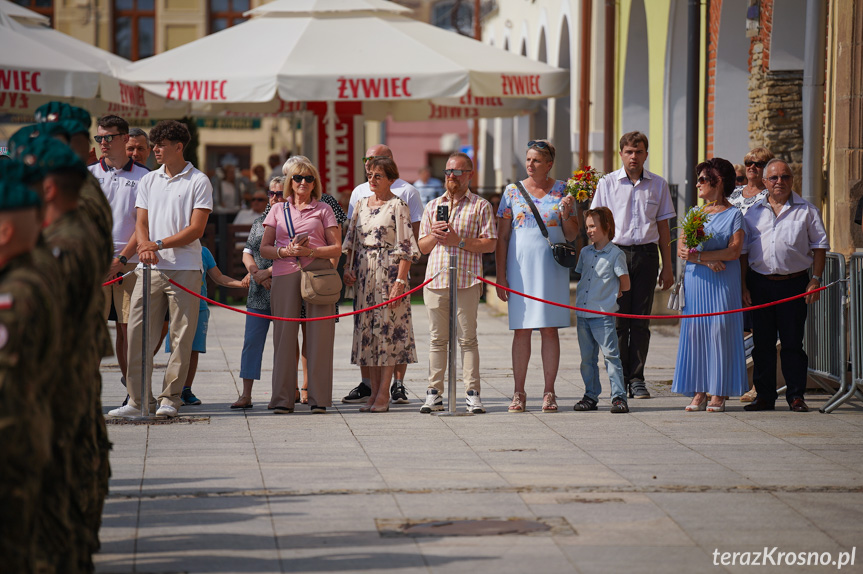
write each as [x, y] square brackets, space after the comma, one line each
[298, 320]
[626, 316]
[120, 278]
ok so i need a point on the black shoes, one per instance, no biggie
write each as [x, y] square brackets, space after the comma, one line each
[585, 404]
[760, 404]
[359, 394]
[618, 405]
[398, 394]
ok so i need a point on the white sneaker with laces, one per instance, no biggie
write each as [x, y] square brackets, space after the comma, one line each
[434, 402]
[474, 405]
[126, 411]
[166, 411]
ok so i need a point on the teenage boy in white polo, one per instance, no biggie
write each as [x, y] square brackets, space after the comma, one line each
[119, 176]
[173, 205]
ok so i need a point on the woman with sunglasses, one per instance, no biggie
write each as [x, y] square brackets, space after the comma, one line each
[258, 301]
[753, 189]
[380, 247]
[299, 234]
[710, 358]
[524, 263]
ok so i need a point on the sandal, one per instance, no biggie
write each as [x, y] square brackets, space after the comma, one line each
[549, 403]
[518, 403]
[304, 396]
[243, 402]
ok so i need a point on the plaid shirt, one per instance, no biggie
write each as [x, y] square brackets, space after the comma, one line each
[471, 217]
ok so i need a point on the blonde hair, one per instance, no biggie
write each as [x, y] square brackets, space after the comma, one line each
[758, 154]
[301, 166]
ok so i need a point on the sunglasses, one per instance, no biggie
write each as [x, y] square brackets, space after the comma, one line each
[300, 178]
[539, 144]
[783, 177]
[106, 139]
[371, 157]
[276, 193]
[758, 164]
[455, 172]
[702, 180]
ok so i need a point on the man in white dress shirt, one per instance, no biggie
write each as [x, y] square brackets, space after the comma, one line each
[784, 238]
[409, 194]
[641, 204]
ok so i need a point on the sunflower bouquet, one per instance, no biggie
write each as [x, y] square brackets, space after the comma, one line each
[582, 184]
[693, 227]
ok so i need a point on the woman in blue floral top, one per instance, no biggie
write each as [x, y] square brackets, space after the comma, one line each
[525, 263]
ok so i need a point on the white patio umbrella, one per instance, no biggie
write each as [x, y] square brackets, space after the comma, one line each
[339, 50]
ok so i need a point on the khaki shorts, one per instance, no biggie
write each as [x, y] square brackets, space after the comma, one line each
[119, 296]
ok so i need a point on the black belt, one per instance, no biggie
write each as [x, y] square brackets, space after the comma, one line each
[778, 277]
[639, 248]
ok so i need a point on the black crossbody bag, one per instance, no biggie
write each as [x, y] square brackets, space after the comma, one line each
[564, 253]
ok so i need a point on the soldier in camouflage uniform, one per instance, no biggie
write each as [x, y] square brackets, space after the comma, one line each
[71, 514]
[29, 337]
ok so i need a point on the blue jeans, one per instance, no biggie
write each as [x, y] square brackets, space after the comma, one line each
[597, 333]
[253, 344]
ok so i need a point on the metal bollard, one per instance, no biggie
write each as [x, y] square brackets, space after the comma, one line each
[453, 336]
[146, 353]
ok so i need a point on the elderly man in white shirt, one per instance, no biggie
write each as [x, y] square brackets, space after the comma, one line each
[784, 238]
[409, 194]
[641, 204]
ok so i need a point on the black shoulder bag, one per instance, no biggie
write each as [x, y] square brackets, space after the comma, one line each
[564, 253]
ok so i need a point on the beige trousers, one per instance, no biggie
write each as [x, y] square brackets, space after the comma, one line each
[285, 301]
[119, 295]
[437, 303]
[183, 309]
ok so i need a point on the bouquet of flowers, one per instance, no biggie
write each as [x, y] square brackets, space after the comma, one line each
[693, 227]
[582, 184]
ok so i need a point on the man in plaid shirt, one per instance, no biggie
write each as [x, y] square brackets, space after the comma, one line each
[469, 231]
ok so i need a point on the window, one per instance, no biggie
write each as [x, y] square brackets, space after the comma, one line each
[226, 13]
[443, 12]
[44, 7]
[134, 28]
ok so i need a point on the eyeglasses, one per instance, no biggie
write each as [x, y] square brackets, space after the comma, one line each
[371, 157]
[276, 193]
[300, 178]
[758, 164]
[702, 180]
[783, 177]
[375, 176]
[106, 139]
[455, 172]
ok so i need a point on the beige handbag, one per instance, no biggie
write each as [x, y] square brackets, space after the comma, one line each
[320, 286]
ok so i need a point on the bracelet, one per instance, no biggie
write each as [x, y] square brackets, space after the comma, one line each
[312, 253]
[402, 281]
[279, 252]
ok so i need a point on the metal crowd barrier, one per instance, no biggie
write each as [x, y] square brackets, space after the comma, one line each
[825, 342]
[847, 388]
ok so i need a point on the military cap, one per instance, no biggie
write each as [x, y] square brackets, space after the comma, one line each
[49, 155]
[56, 111]
[14, 191]
[65, 128]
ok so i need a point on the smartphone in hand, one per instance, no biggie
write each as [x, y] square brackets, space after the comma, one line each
[300, 238]
[442, 213]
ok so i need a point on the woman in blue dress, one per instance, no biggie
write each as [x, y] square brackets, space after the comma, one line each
[710, 357]
[525, 263]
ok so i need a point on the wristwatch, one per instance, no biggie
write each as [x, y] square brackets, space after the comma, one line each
[461, 244]
[123, 260]
[158, 245]
[817, 278]
[402, 281]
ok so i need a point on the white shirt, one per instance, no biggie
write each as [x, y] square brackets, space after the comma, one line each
[400, 188]
[636, 207]
[120, 187]
[782, 244]
[169, 202]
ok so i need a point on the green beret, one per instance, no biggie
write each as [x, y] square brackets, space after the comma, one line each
[56, 111]
[49, 155]
[64, 128]
[14, 192]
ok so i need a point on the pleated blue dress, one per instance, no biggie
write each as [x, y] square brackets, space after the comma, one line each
[710, 355]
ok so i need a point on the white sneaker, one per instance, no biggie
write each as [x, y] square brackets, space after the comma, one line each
[434, 402]
[474, 405]
[126, 411]
[166, 411]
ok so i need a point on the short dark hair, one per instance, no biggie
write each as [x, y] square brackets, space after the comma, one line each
[68, 180]
[604, 218]
[138, 132]
[385, 163]
[172, 131]
[461, 155]
[106, 122]
[721, 170]
[633, 139]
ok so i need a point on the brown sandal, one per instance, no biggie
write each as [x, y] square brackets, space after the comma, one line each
[549, 403]
[304, 396]
[243, 402]
[518, 403]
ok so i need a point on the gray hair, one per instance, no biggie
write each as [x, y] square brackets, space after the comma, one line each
[776, 160]
[280, 179]
[138, 132]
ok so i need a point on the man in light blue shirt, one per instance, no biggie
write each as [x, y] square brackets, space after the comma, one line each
[428, 186]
